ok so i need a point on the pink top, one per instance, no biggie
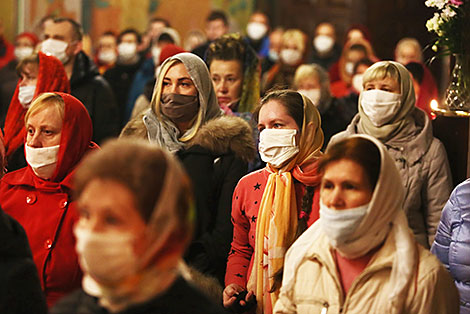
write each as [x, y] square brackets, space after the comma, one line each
[245, 205]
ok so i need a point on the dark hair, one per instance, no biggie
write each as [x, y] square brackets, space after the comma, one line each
[129, 31]
[417, 70]
[136, 165]
[226, 48]
[364, 61]
[159, 19]
[357, 149]
[165, 37]
[217, 15]
[359, 47]
[290, 99]
[76, 27]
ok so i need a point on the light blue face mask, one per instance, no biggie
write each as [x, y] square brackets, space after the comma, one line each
[339, 225]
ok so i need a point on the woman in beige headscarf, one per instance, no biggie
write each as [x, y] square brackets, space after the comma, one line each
[387, 112]
[360, 256]
[136, 219]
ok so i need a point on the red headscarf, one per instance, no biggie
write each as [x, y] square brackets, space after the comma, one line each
[51, 78]
[75, 139]
[31, 36]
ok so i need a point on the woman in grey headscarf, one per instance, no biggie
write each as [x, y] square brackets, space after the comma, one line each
[185, 118]
[387, 112]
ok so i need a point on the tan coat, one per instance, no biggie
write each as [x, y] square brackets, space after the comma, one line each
[317, 287]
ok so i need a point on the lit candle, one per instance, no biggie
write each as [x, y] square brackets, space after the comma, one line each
[434, 105]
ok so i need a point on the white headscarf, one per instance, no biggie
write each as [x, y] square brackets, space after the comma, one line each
[384, 217]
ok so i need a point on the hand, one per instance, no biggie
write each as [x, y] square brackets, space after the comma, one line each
[230, 295]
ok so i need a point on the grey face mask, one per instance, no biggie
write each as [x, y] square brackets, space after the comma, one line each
[179, 108]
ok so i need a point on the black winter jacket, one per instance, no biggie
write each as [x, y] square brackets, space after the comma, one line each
[97, 96]
[180, 298]
[20, 290]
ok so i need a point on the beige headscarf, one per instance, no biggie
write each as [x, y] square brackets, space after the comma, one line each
[278, 216]
[403, 117]
[167, 233]
[159, 128]
[384, 217]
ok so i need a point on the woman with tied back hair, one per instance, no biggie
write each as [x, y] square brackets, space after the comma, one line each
[272, 206]
[39, 196]
[387, 112]
[235, 72]
[136, 220]
[185, 119]
[38, 73]
[361, 256]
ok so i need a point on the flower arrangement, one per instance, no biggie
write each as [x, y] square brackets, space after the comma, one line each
[450, 24]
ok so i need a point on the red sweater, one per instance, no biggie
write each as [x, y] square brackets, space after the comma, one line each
[245, 205]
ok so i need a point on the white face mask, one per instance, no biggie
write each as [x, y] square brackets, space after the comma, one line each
[56, 48]
[23, 52]
[380, 106]
[108, 257]
[313, 94]
[107, 56]
[339, 225]
[291, 56]
[323, 43]
[276, 146]
[42, 160]
[273, 55]
[127, 51]
[349, 67]
[357, 82]
[156, 51]
[256, 30]
[26, 94]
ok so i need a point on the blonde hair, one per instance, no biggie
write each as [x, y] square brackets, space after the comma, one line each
[296, 36]
[381, 70]
[43, 101]
[157, 96]
[305, 71]
[408, 41]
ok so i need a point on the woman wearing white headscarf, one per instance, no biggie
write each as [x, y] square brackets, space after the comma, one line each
[185, 118]
[360, 256]
[387, 112]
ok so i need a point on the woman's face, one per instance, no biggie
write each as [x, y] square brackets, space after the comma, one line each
[44, 128]
[386, 84]
[29, 74]
[227, 77]
[178, 81]
[274, 115]
[345, 185]
[106, 205]
[309, 82]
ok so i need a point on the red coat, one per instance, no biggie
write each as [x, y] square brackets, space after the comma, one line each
[47, 215]
[44, 207]
[245, 206]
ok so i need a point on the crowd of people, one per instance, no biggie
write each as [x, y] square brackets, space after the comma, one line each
[254, 173]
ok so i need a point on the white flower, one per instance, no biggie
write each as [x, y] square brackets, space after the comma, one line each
[434, 23]
[448, 13]
[436, 3]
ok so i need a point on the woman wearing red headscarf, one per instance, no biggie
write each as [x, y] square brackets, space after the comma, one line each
[59, 133]
[38, 74]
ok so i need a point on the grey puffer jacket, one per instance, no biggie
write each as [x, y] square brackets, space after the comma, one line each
[422, 162]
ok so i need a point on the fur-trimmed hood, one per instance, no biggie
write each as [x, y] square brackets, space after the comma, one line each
[221, 135]
[226, 134]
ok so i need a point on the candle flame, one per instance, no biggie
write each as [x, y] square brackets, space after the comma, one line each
[434, 105]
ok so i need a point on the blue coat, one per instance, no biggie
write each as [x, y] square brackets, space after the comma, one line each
[452, 242]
